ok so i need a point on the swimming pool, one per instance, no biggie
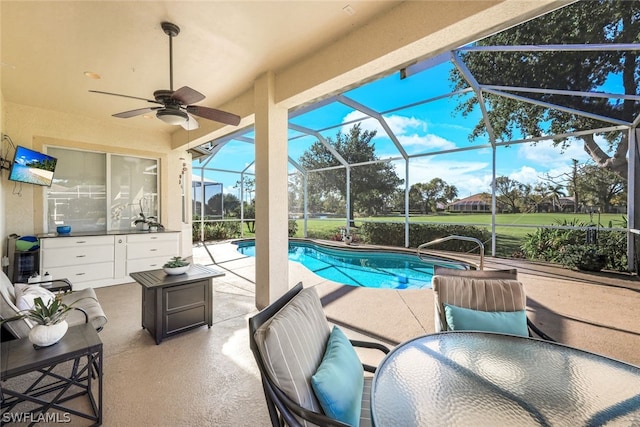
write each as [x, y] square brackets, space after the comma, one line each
[371, 269]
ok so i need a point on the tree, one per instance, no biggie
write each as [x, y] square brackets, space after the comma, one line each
[510, 193]
[568, 180]
[371, 183]
[249, 187]
[230, 203]
[428, 195]
[601, 21]
[599, 187]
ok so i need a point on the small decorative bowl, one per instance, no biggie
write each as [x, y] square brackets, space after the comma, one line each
[174, 271]
[64, 229]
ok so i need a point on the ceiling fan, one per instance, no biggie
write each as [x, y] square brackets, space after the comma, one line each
[176, 107]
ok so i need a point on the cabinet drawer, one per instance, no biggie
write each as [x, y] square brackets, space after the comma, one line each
[162, 248]
[84, 273]
[151, 237]
[72, 241]
[77, 255]
[145, 264]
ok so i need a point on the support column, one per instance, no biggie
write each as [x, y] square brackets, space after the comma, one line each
[633, 201]
[272, 213]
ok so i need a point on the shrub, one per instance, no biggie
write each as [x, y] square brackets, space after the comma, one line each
[584, 257]
[293, 227]
[217, 230]
[392, 234]
[568, 247]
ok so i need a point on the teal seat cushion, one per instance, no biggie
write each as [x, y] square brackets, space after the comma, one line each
[339, 380]
[506, 322]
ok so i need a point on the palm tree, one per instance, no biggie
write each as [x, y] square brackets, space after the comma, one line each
[554, 192]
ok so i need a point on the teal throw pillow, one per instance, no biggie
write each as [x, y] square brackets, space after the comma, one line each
[506, 322]
[339, 380]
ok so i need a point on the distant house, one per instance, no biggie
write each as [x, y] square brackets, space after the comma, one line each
[480, 202]
[563, 204]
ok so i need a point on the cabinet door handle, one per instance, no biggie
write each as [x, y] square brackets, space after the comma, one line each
[81, 241]
[153, 238]
[153, 250]
[152, 265]
[80, 274]
[80, 256]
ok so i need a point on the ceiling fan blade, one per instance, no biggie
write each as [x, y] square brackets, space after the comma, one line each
[126, 96]
[133, 113]
[213, 114]
[191, 124]
[186, 95]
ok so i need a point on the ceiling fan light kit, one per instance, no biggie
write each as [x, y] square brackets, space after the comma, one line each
[172, 117]
[176, 106]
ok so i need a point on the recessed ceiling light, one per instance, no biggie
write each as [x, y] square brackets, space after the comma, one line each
[349, 10]
[92, 75]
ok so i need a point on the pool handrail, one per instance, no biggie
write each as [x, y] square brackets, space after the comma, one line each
[454, 237]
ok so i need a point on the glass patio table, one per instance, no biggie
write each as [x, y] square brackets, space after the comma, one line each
[476, 378]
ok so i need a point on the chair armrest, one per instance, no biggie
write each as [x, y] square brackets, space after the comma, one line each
[291, 406]
[533, 328]
[86, 316]
[373, 345]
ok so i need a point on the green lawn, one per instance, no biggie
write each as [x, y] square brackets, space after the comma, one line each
[520, 224]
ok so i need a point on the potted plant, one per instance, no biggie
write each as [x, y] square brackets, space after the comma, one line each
[49, 318]
[176, 265]
[143, 222]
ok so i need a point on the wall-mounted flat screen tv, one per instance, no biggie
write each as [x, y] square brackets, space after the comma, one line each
[32, 167]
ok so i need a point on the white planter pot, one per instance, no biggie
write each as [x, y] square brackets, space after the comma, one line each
[44, 336]
[176, 270]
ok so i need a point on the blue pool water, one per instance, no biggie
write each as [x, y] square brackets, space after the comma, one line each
[360, 268]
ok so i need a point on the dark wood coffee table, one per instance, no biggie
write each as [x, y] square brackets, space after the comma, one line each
[174, 304]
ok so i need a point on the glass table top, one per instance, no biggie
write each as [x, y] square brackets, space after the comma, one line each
[474, 378]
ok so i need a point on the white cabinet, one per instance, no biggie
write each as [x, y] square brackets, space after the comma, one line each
[79, 259]
[150, 251]
[95, 261]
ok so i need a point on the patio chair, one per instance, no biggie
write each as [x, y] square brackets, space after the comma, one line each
[86, 311]
[308, 371]
[487, 300]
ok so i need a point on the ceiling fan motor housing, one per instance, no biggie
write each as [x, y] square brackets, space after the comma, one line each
[164, 96]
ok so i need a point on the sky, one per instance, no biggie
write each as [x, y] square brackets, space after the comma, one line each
[424, 128]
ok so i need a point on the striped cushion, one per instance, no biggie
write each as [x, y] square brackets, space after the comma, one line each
[511, 273]
[292, 344]
[477, 294]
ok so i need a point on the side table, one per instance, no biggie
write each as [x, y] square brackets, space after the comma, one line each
[174, 304]
[55, 285]
[46, 398]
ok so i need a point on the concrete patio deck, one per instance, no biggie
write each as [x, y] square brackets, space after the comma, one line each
[597, 312]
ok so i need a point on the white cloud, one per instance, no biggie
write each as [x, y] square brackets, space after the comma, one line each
[410, 131]
[426, 142]
[468, 177]
[545, 153]
[526, 175]
[399, 125]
